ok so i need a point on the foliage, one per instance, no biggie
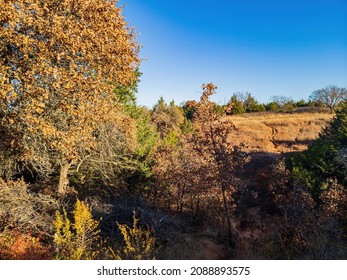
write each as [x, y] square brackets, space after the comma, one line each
[301, 103]
[236, 106]
[77, 239]
[294, 226]
[166, 117]
[199, 172]
[210, 144]
[55, 89]
[126, 95]
[284, 103]
[15, 245]
[309, 230]
[250, 104]
[139, 243]
[272, 106]
[323, 161]
[189, 109]
[244, 103]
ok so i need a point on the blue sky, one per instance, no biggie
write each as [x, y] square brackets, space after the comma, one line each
[265, 47]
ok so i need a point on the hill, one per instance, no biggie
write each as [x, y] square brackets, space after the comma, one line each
[277, 132]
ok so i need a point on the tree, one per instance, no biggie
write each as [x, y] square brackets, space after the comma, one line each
[167, 117]
[244, 103]
[301, 103]
[252, 105]
[235, 106]
[331, 96]
[211, 145]
[189, 109]
[285, 103]
[60, 61]
[324, 161]
[272, 106]
[246, 99]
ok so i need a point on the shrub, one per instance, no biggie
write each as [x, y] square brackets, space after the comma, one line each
[77, 239]
[25, 210]
[324, 159]
[139, 243]
[15, 245]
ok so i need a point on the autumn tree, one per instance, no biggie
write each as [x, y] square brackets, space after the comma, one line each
[330, 96]
[210, 144]
[59, 64]
[179, 174]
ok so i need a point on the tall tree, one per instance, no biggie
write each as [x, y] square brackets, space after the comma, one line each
[330, 96]
[210, 142]
[59, 61]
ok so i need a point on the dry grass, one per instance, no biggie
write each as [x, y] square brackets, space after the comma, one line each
[277, 133]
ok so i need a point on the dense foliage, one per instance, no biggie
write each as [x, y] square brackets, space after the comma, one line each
[325, 159]
[57, 76]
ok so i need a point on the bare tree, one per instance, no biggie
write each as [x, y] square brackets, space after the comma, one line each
[281, 100]
[331, 96]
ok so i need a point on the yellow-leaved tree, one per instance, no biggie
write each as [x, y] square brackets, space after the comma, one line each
[59, 63]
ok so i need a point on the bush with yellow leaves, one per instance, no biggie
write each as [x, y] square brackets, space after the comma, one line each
[139, 243]
[78, 239]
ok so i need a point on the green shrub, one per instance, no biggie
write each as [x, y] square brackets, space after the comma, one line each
[324, 159]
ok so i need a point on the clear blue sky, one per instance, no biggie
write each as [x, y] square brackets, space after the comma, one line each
[266, 47]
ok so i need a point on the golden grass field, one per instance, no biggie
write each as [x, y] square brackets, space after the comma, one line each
[277, 132]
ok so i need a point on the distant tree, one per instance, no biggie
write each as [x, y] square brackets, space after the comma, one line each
[126, 96]
[59, 63]
[272, 106]
[317, 103]
[220, 109]
[251, 105]
[242, 96]
[289, 106]
[285, 103]
[166, 117]
[330, 96]
[301, 103]
[235, 106]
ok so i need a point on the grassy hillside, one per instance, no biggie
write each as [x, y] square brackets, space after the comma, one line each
[277, 133]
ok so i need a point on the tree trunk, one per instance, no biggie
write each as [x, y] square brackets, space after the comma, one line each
[63, 179]
[227, 215]
[220, 174]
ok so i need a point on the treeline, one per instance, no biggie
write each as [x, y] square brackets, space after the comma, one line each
[329, 98]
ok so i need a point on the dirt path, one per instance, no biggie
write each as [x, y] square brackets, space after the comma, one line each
[212, 251]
